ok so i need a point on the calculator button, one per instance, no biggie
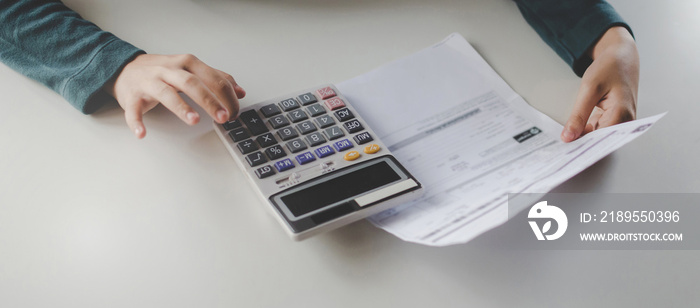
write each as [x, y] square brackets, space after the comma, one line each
[316, 110]
[326, 92]
[342, 145]
[279, 121]
[315, 139]
[284, 165]
[275, 152]
[352, 155]
[289, 104]
[297, 115]
[353, 126]
[363, 138]
[267, 140]
[296, 145]
[344, 115]
[307, 98]
[334, 132]
[255, 159]
[287, 133]
[335, 103]
[306, 127]
[247, 146]
[325, 121]
[304, 158]
[371, 149]
[231, 125]
[324, 151]
[238, 134]
[270, 110]
[264, 172]
[252, 120]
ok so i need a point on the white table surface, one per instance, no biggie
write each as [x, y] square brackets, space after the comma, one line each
[92, 217]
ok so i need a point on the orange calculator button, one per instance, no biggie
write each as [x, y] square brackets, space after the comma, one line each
[372, 148]
[352, 155]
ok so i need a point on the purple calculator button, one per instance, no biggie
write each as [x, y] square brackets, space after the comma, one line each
[305, 158]
[343, 145]
[324, 151]
[284, 164]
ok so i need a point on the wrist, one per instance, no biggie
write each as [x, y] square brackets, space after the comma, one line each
[614, 38]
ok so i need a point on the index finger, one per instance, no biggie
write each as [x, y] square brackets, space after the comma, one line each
[220, 83]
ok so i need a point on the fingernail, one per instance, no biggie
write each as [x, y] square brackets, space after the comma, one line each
[138, 131]
[192, 117]
[568, 135]
[222, 115]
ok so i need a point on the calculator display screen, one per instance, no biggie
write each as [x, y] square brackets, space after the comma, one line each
[343, 187]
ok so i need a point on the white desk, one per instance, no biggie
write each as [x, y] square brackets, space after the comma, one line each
[92, 217]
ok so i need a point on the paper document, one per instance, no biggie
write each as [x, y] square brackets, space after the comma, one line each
[469, 139]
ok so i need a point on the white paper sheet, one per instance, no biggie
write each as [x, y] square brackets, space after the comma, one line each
[469, 139]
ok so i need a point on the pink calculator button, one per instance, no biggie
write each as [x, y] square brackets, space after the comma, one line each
[326, 92]
[334, 103]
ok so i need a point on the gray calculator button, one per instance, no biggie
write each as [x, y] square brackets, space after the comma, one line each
[296, 145]
[325, 121]
[238, 134]
[275, 152]
[344, 114]
[252, 120]
[287, 133]
[255, 159]
[247, 146]
[315, 139]
[266, 140]
[307, 98]
[289, 104]
[306, 127]
[316, 110]
[353, 126]
[231, 124]
[264, 171]
[270, 110]
[297, 115]
[363, 138]
[279, 121]
[334, 132]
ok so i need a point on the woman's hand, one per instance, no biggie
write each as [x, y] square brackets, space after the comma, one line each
[608, 92]
[152, 79]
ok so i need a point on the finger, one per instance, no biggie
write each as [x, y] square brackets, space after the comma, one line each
[220, 83]
[134, 119]
[193, 87]
[594, 119]
[168, 96]
[587, 98]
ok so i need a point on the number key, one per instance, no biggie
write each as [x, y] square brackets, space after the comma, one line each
[307, 98]
[289, 104]
[296, 145]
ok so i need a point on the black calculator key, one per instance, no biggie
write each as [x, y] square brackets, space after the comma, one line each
[270, 110]
[255, 159]
[266, 140]
[279, 121]
[296, 145]
[363, 138]
[232, 124]
[324, 121]
[287, 133]
[334, 132]
[316, 110]
[275, 152]
[238, 134]
[306, 127]
[252, 120]
[264, 172]
[289, 104]
[344, 115]
[353, 126]
[315, 139]
[297, 115]
[307, 98]
[247, 146]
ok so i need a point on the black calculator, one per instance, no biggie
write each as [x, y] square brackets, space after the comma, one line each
[315, 162]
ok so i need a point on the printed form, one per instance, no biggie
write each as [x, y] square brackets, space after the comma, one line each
[469, 139]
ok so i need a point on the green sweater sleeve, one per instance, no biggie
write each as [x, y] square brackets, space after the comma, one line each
[571, 27]
[52, 44]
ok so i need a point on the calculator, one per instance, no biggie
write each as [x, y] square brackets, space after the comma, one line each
[315, 162]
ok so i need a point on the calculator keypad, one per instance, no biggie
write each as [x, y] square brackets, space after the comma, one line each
[309, 126]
